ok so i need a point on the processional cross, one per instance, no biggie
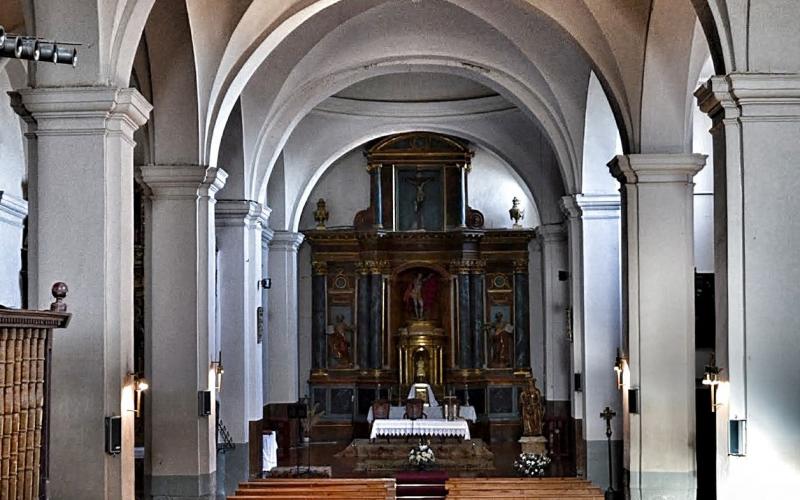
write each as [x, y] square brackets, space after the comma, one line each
[607, 415]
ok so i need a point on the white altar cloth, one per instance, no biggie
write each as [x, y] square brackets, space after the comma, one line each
[412, 393]
[433, 412]
[269, 451]
[421, 427]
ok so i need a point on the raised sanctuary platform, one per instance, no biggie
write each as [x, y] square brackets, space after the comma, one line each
[472, 455]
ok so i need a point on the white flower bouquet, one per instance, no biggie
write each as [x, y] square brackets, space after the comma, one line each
[421, 456]
[531, 464]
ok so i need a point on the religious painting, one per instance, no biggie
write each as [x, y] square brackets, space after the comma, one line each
[340, 336]
[500, 333]
[419, 289]
[420, 200]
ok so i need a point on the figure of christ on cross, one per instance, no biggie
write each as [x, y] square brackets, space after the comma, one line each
[419, 182]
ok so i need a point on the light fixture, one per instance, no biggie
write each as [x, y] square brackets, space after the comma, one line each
[139, 386]
[218, 371]
[711, 379]
[619, 367]
[37, 49]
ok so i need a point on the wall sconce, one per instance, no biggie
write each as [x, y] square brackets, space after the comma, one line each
[265, 283]
[139, 386]
[711, 379]
[218, 371]
[619, 367]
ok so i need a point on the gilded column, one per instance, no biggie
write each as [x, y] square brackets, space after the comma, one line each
[318, 295]
[522, 315]
[362, 317]
[477, 280]
[464, 333]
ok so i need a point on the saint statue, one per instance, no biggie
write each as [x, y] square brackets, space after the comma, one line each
[532, 408]
[420, 374]
[501, 341]
[338, 345]
[419, 182]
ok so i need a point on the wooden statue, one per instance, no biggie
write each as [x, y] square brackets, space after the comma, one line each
[532, 408]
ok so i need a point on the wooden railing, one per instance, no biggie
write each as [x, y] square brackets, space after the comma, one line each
[25, 345]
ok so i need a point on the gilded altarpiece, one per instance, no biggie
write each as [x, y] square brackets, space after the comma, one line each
[418, 291]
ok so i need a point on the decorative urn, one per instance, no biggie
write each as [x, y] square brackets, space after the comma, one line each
[321, 214]
[516, 213]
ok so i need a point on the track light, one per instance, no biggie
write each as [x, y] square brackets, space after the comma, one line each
[32, 48]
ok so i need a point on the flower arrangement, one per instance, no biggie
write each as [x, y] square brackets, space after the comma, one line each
[421, 456]
[531, 464]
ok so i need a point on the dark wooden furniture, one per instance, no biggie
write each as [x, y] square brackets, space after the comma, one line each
[380, 409]
[25, 345]
[414, 409]
[314, 489]
[545, 488]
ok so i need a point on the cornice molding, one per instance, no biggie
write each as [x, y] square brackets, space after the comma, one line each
[178, 182]
[237, 213]
[85, 110]
[598, 206]
[656, 168]
[286, 241]
[13, 209]
[548, 233]
[751, 96]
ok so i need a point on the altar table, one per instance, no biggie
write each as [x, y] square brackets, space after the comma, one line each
[421, 427]
[433, 412]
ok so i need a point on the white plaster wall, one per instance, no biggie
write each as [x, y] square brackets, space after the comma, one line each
[703, 194]
[492, 185]
[601, 142]
[345, 188]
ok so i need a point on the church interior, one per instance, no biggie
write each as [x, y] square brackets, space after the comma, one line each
[461, 249]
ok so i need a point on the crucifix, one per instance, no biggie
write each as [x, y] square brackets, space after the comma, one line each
[607, 415]
[419, 182]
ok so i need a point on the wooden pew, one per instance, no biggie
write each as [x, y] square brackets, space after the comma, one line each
[522, 489]
[301, 489]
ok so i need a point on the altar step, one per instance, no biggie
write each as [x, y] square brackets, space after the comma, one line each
[421, 485]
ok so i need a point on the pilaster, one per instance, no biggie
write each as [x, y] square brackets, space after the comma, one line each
[182, 287]
[658, 287]
[86, 133]
[282, 336]
[239, 238]
[555, 294]
[756, 123]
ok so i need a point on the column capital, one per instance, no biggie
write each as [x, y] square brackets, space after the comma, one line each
[598, 206]
[655, 167]
[237, 213]
[287, 241]
[570, 206]
[86, 110]
[13, 209]
[751, 96]
[547, 233]
[183, 181]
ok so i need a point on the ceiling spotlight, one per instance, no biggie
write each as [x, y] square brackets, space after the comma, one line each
[47, 52]
[12, 46]
[32, 48]
[66, 55]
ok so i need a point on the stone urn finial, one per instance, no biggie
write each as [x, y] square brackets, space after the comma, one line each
[59, 291]
[321, 214]
[516, 213]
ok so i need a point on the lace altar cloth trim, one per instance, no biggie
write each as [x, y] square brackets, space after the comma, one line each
[422, 427]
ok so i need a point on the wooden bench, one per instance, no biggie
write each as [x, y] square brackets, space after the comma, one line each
[302, 489]
[522, 489]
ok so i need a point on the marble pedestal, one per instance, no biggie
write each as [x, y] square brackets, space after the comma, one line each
[534, 444]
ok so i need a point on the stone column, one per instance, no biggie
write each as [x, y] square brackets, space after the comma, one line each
[553, 242]
[376, 317]
[658, 289]
[375, 179]
[282, 336]
[266, 237]
[318, 320]
[183, 326]
[597, 315]
[522, 316]
[756, 125]
[362, 319]
[465, 346]
[85, 135]
[241, 398]
[477, 282]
